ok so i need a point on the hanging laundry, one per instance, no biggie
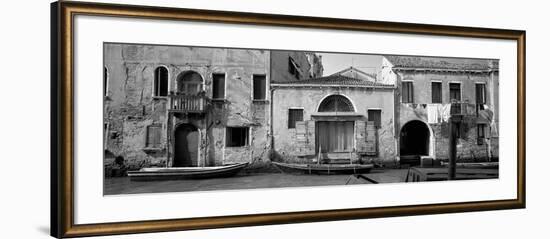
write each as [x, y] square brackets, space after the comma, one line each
[433, 113]
[486, 115]
[445, 112]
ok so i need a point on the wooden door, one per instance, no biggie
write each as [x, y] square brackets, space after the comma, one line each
[186, 146]
[334, 136]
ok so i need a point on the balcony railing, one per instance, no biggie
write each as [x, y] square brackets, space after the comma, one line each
[188, 104]
[464, 108]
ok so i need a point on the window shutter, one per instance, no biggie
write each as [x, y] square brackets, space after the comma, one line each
[407, 92]
[153, 136]
[480, 93]
[361, 136]
[301, 137]
[454, 90]
[411, 92]
[436, 92]
[310, 146]
[371, 148]
[301, 132]
[375, 116]
[305, 137]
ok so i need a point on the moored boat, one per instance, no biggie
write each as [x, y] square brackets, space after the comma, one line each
[148, 174]
[440, 174]
[488, 165]
[324, 168]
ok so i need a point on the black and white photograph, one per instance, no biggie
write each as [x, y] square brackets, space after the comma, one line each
[194, 118]
[270, 119]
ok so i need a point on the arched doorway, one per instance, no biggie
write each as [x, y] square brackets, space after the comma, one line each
[186, 146]
[335, 132]
[414, 139]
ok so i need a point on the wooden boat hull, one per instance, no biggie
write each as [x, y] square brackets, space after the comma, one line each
[324, 168]
[176, 173]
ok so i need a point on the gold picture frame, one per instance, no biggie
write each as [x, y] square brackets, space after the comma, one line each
[62, 128]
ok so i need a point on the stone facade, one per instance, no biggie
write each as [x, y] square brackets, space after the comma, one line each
[467, 73]
[130, 105]
[171, 106]
[136, 115]
[298, 144]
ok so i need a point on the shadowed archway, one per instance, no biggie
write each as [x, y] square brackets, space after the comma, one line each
[186, 146]
[414, 139]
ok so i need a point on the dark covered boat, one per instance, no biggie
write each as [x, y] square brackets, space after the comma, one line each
[441, 174]
[325, 168]
[147, 174]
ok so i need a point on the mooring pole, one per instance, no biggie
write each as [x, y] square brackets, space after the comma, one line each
[453, 135]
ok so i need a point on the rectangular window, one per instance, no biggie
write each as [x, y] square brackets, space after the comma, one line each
[454, 91]
[236, 136]
[259, 87]
[436, 92]
[375, 116]
[161, 82]
[407, 92]
[295, 115]
[480, 134]
[218, 86]
[153, 136]
[480, 94]
[481, 131]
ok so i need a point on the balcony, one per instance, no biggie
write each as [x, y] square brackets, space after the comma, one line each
[188, 104]
[465, 108]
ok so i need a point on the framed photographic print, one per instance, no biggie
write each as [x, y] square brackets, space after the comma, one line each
[170, 119]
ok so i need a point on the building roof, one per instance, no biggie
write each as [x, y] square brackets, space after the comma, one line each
[441, 63]
[356, 73]
[336, 80]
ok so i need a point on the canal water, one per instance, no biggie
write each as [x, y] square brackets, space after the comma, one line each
[124, 185]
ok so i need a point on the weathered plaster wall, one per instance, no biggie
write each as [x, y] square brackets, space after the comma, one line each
[130, 105]
[310, 98]
[422, 85]
[467, 147]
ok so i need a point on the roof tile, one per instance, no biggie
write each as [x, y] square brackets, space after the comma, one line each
[335, 80]
[443, 63]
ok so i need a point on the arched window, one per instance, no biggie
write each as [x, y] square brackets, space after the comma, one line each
[105, 81]
[160, 84]
[336, 103]
[189, 83]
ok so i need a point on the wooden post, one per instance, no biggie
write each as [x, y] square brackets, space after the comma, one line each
[319, 156]
[453, 135]
[168, 138]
